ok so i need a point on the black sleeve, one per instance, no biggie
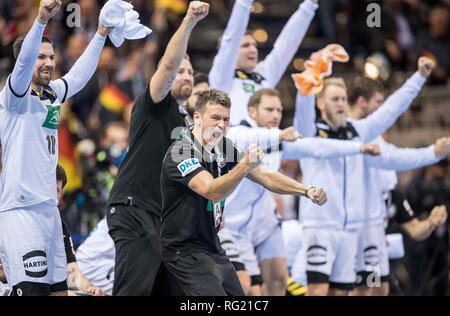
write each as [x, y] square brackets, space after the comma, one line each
[144, 104]
[68, 244]
[404, 212]
[181, 164]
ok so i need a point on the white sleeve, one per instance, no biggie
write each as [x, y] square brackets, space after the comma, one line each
[81, 72]
[286, 46]
[394, 106]
[400, 159]
[222, 72]
[243, 137]
[305, 115]
[319, 148]
[18, 83]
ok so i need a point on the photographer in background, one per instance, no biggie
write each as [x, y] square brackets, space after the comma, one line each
[428, 259]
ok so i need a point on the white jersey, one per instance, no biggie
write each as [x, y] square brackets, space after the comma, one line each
[29, 128]
[30, 148]
[383, 181]
[250, 209]
[96, 257]
[240, 85]
[347, 180]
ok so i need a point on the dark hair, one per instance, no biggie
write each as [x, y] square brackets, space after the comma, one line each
[17, 46]
[61, 175]
[256, 97]
[212, 96]
[200, 77]
[363, 87]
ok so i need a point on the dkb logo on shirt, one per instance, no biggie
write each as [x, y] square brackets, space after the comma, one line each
[188, 165]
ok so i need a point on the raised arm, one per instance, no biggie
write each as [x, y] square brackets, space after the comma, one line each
[222, 72]
[162, 80]
[287, 43]
[322, 148]
[216, 189]
[83, 69]
[394, 106]
[281, 184]
[21, 76]
[400, 159]
[305, 115]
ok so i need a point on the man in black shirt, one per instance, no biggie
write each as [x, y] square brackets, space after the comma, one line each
[401, 217]
[134, 206]
[199, 171]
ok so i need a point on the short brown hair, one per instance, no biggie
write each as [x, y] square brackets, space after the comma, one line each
[363, 87]
[212, 96]
[17, 46]
[256, 97]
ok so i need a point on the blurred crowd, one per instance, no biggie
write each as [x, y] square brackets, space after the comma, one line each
[94, 123]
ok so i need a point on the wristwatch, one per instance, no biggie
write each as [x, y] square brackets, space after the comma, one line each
[307, 189]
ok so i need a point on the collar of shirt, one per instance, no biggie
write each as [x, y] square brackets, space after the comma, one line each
[242, 74]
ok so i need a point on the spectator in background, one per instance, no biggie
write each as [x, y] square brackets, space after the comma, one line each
[435, 43]
[89, 18]
[428, 261]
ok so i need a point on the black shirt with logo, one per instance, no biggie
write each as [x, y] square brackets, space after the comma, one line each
[154, 127]
[190, 222]
[399, 212]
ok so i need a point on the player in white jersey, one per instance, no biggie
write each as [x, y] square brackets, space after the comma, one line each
[236, 69]
[330, 264]
[96, 257]
[250, 209]
[31, 243]
[365, 97]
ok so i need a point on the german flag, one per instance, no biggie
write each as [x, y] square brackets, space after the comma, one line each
[113, 99]
[176, 6]
[69, 158]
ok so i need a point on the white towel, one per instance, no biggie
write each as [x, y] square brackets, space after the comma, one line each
[120, 15]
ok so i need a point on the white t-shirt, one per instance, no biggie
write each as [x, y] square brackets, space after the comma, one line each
[29, 137]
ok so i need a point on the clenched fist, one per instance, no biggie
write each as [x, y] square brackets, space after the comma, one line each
[253, 156]
[316, 195]
[289, 134]
[47, 10]
[425, 66]
[442, 147]
[197, 11]
[370, 149]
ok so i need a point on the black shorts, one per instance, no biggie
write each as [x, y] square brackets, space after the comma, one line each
[202, 274]
[138, 267]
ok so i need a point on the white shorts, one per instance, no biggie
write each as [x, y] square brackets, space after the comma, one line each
[331, 256]
[370, 240]
[384, 259]
[32, 250]
[249, 254]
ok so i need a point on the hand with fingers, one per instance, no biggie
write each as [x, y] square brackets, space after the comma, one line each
[370, 149]
[253, 156]
[47, 10]
[425, 66]
[289, 134]
[316, 195]
[197, 11]
[442, 147]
